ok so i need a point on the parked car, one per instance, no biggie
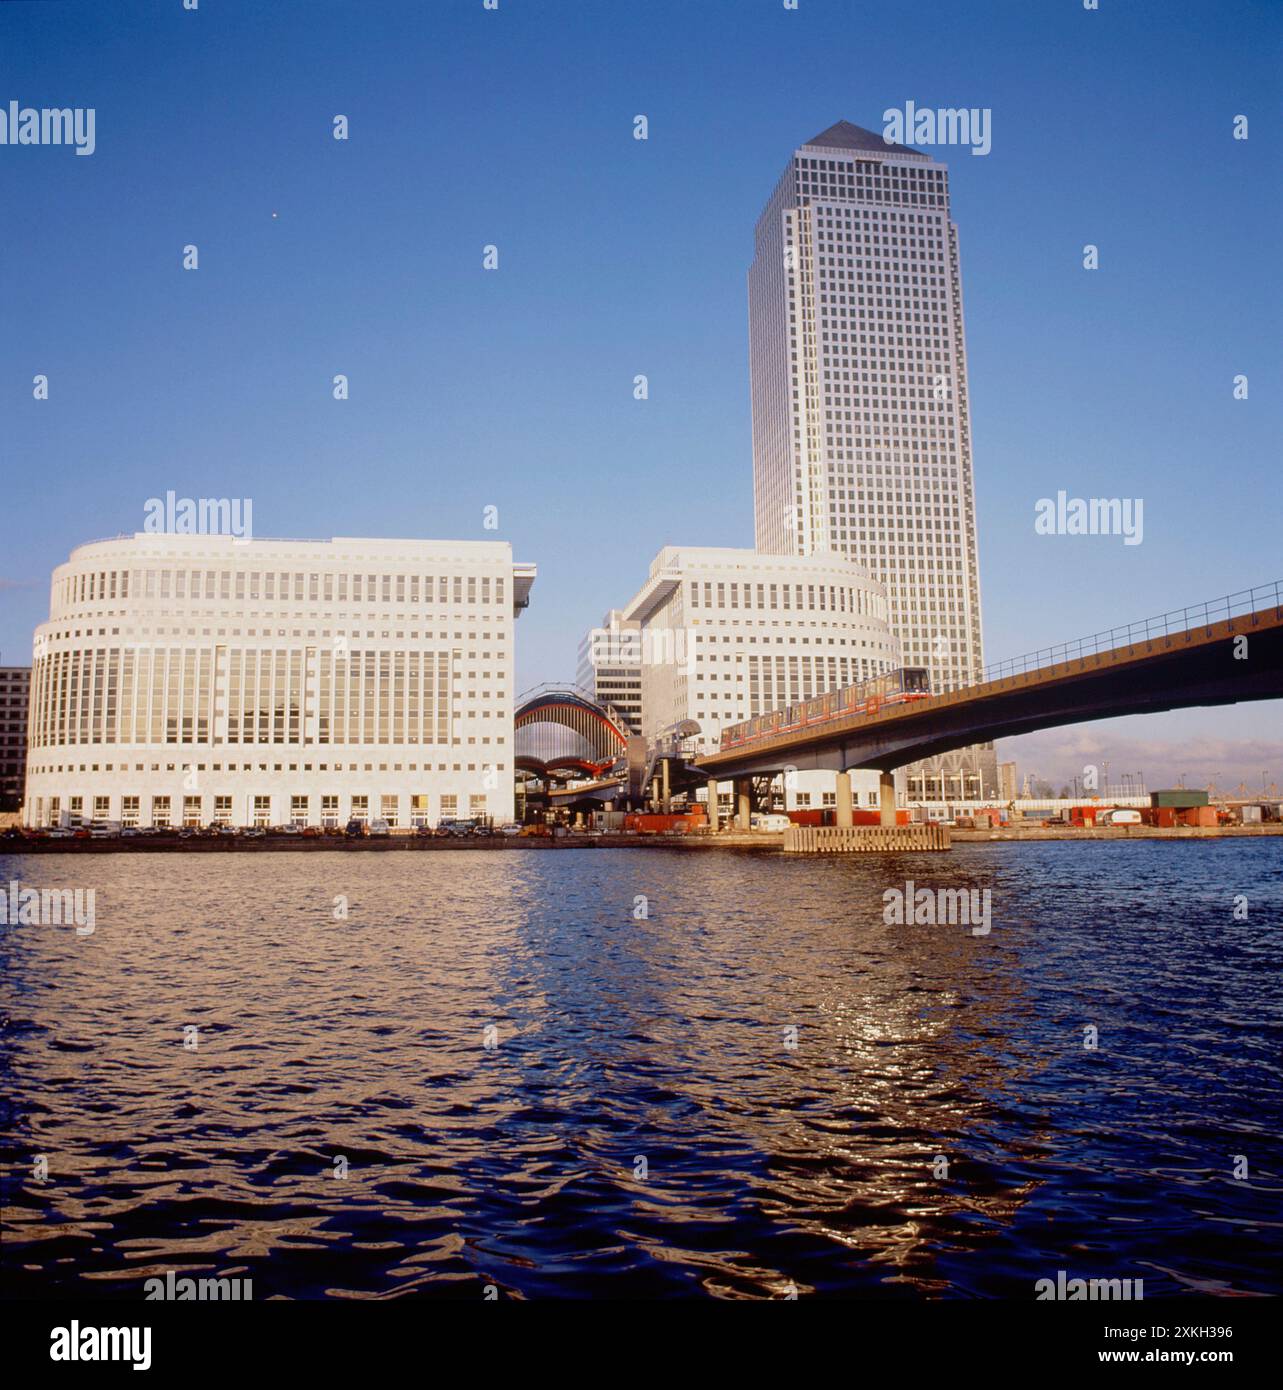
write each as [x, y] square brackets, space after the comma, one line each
[511, 827]
[311, 832]
[380, 827]
[130, 832]
[481, 828]
[455, 827]
[254, 832]
[769, 820]
[355, 829]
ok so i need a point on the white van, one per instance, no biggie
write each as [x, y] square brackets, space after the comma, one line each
[769, 821]
[1124, 817]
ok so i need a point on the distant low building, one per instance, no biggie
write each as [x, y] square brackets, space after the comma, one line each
[15, 692]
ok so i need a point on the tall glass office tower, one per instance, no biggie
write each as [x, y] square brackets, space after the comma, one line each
[861, 424]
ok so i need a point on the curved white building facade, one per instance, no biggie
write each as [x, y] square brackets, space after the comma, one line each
[727, 634]
[201, 679]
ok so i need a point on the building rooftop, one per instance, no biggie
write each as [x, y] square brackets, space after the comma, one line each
[845, 136]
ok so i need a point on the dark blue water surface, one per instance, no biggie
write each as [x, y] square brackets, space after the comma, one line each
[641, 1126]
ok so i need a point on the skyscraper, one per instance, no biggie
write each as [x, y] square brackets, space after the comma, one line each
[861, 425]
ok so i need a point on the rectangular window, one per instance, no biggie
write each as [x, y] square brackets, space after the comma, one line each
[418, 810]
[361, 808]
[222, 810]
[262, 811]
[129, 810]
[298, 810]
[191, 810]
[160, 812]
[389, 806]
[329, 810]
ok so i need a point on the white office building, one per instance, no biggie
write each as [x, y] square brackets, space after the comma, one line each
[610, 667]
[861, 423]
[727, 634]
[187, 679]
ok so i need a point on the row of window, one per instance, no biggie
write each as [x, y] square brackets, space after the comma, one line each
[45, 769]
[259, 808]
[281, 695]
[821, 598]
[280, 585]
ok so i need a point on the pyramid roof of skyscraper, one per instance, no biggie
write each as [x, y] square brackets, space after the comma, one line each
[845, 136]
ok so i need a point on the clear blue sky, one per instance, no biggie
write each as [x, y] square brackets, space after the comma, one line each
[514, 388]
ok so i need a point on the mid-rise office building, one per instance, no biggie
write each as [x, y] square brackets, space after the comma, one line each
[610, 667]
[15, 689]
[861, 418]
[727, 634]
[202, 679]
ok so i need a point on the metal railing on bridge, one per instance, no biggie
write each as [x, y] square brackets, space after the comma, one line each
[1162, 625]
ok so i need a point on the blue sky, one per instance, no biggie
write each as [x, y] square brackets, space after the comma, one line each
[513, 388]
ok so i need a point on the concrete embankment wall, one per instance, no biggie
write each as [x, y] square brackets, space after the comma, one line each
[863, 839]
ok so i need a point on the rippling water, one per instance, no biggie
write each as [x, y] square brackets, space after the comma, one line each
[623, 1039]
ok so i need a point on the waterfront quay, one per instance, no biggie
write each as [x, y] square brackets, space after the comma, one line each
[763, 841]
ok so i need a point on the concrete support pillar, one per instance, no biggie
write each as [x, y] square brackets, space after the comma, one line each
[886, 798]
[713, 821]
[743, 804]
[844, 817]
[665, 799]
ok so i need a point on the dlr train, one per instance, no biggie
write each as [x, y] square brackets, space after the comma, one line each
[892, 688]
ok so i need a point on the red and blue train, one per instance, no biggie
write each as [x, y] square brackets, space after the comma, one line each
[892, 688]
